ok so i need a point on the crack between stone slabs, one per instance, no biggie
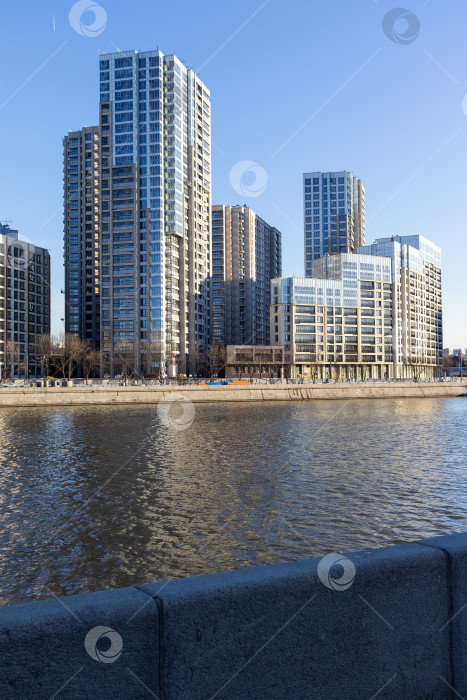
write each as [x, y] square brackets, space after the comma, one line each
[447, 558]
[160, 617]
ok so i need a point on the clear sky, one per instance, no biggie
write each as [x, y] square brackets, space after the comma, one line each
[295, 86]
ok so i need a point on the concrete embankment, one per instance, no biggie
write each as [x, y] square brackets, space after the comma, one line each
[123, 395]
[387, 623]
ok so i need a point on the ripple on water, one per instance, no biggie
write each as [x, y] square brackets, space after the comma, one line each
[99, 497]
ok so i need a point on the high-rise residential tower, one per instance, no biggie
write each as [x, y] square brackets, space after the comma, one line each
[246, 255]
[416, 272]
[24, 303]
[82, 233]
[155, 192]
[334, 214]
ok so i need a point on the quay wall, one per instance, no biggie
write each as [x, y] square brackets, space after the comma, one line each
[122, 395]
[388, 623]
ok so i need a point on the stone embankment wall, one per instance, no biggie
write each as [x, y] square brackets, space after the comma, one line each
[389, 623]
[91, 395]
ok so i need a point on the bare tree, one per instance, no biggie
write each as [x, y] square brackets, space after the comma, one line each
[69, 350]
[12, 358]
[222, 361]
[196, 358]
[59, 354]
[213, 359]
[416, 365]
[144, 358]
[124, 355]
[77, 351]
[42, 350]
[151, 359]
[91, 361]
[314, 367]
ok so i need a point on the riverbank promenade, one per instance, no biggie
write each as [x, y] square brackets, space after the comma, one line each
[80, 394]
[388, 623]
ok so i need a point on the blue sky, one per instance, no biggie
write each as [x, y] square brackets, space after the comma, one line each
[295, 86]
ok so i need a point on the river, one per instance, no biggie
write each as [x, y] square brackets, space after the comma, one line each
[102, 497]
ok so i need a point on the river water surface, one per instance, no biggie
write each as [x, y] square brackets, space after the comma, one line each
[101, 497]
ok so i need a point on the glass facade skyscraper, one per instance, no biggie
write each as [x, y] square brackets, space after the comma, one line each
[155, 197]
[334, 214]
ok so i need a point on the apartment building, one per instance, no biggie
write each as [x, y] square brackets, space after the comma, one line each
[82, 233]
[416, 275]
[155, 211]
[246, 255]
[24, 303]
[334, 214]
[375, 314]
